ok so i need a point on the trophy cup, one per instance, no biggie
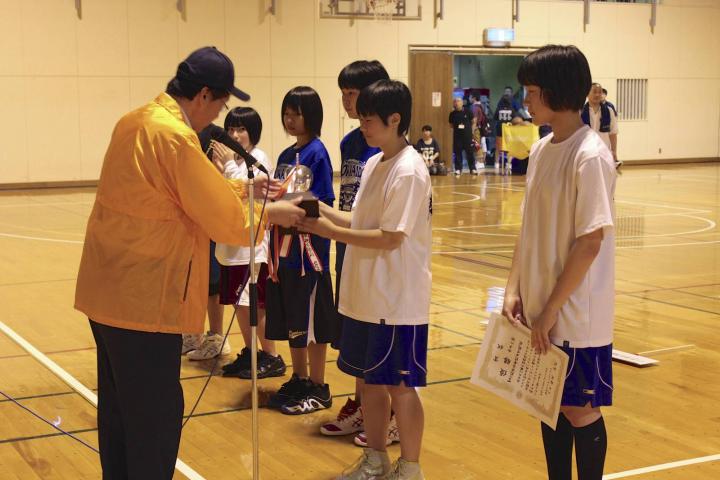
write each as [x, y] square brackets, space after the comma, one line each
[297, 180]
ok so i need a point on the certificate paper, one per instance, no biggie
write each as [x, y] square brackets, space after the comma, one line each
[509, 367]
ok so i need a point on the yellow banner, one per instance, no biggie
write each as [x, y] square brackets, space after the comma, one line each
[517, 139]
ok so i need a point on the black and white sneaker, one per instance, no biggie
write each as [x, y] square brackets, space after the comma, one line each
[290, 390]
[316, 397]
[242, 362]
[267, 366]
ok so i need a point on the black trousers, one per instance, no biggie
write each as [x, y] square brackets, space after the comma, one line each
[463, 145]
[140, 402]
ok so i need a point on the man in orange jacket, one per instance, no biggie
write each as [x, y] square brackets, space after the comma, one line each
[144, 272]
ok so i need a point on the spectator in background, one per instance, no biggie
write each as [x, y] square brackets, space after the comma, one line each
[461, 121]
[603, 119]
[609, 104]
[429, 149]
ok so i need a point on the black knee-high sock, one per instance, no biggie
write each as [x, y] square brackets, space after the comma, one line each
[558, 445]
[590, 448]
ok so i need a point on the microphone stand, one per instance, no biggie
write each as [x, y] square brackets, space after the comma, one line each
[252, 290]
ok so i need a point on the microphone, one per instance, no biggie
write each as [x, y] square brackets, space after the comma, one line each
[220, 135]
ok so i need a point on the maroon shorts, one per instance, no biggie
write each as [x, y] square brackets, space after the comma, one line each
[234, 277]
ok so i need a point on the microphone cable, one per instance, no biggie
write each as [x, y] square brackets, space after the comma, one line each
[232, 319]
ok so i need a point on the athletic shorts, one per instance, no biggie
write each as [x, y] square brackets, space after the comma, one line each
[214, 287]
[384, 354]
[589, 377]
[300, 309]
[235, 276]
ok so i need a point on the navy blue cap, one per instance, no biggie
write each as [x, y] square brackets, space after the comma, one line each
[211, 68]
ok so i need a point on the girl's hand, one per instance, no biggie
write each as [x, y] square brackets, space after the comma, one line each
[539, 336]
[513, 309]
[224, 154]
[318, 226]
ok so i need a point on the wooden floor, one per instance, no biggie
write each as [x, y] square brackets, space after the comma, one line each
[668, 304]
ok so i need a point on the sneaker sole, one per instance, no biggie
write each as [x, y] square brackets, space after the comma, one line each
[330, 433]
[364, 445]
[300, 411]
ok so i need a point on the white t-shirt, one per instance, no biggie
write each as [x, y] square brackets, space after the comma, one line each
[570, 190]
[391, 286]
[595, 124]
[232, 254]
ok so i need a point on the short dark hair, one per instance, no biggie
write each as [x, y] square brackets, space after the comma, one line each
[305, 101]
[604, 91]
[184, 89]
[562, 73]
[249, 119]
[508, 86]
[361, 73]
[385, 97]
[427, 128]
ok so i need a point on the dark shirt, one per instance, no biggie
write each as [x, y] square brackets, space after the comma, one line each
[428, 150]
[461, 121]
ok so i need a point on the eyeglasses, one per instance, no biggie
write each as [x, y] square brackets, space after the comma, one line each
[225, 107]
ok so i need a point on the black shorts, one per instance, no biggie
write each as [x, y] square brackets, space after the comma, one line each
[214, 287]
[300, 309]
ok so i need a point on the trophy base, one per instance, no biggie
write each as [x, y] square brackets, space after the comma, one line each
[308, 203]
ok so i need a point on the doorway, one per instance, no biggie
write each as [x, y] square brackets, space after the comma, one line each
[437, 74]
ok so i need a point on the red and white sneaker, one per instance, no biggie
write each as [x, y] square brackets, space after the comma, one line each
[393, 435]
[349, 420]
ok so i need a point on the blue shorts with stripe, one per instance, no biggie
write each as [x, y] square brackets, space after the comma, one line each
[384, 354]
[589, 377]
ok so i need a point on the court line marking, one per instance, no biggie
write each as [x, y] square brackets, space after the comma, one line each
[41, 239]
[660, 245]
[75, 384]
[668, 349]
[663, 466]
[473, 199]
[8, 205]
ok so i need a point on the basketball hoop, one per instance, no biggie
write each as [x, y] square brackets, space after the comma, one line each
[382, 10]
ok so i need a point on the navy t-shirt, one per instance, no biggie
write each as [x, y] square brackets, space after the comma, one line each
[354, 154]
[316, 158]
[428, 150]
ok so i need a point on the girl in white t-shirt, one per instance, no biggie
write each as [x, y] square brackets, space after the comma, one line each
[562, 278]
[244, 125]
[385, 286]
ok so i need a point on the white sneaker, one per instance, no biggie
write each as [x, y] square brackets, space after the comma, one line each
[349, 420]
[211, 347]
[393, 435]
[372, 465]
[403, 470]
[191, 342]
[458, 173]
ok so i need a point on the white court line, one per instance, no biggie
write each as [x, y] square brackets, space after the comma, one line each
[85, 392]
[18, 205]
[42, 239]
[664, 466]
[484, 252]
[658, 205]
[710, 226]
[473, 199]
[668, 349]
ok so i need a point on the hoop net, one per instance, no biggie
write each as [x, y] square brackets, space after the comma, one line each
[382, 10]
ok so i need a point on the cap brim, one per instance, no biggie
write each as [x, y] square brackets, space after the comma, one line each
[240, 94]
